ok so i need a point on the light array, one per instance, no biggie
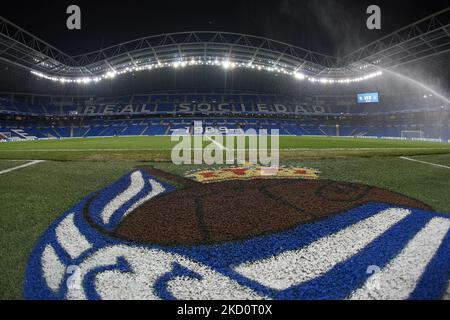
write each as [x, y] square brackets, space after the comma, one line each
[225, 64]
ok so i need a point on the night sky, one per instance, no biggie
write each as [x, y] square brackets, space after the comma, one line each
[332, 27]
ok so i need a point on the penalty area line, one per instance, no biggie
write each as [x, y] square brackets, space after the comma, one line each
[32, 163]
[424, 162]
[221, 146]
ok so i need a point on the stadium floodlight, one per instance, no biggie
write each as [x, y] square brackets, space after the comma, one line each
[111, 74]
[210, 61]
[299, 76]
[226, 64]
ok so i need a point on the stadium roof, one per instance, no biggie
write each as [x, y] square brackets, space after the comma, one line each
[425, 38]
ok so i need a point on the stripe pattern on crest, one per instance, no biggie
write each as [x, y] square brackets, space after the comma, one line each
[333, 258]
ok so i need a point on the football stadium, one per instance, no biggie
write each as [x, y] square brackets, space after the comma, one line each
[225, 165]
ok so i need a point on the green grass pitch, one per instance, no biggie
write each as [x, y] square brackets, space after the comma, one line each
[32, 198]
[159, 148]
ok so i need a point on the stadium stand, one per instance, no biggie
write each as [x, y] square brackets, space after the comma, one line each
[46, 117]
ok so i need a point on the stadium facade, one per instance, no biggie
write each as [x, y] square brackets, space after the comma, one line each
[232, 82]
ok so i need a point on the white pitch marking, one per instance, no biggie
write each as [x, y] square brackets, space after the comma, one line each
[424, 162]
[221, 146]
[298, 266]
[399, 278]
[32, 163]
[70, 238]
[136, 185]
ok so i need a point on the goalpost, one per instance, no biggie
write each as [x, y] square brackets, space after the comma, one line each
[412, 134]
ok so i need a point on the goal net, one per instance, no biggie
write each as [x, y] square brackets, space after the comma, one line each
[412, 134]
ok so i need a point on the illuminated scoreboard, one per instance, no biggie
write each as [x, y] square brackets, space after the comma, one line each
[373, 97]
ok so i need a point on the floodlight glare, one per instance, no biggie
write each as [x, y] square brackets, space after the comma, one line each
[226, 64]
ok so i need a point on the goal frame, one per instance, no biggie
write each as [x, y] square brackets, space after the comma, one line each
[405, 133]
